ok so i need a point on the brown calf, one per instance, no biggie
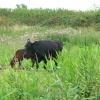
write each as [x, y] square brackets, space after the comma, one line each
[18, 57]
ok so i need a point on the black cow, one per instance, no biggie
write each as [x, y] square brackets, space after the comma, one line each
[40, 50]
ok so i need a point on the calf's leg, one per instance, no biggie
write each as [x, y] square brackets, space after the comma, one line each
[19, 64]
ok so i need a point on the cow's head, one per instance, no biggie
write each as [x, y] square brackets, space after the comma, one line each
[28, 48]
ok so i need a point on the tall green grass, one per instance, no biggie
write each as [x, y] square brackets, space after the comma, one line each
[76, 77]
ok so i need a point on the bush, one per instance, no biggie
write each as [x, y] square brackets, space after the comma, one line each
[49, 17]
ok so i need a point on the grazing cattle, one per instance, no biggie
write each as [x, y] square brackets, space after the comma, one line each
[40, 50]
[19, 56]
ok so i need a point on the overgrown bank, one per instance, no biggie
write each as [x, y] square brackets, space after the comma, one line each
[49, 17]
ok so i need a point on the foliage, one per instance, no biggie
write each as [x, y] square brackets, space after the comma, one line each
[49, 17]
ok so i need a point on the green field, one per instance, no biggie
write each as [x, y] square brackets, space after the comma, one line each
[77, 76]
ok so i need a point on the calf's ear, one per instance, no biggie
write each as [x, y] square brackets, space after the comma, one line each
[28, 40]
[15, 59]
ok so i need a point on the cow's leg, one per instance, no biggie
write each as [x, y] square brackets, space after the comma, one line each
[45, 63]
[36, 59]
[55, 60]
[32, 62]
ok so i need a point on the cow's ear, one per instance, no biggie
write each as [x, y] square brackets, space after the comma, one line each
[28, 40]
[35, 42]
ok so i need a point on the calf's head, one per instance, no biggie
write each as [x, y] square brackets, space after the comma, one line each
[13, 62]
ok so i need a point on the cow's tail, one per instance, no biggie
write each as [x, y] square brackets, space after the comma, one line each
[60, 45]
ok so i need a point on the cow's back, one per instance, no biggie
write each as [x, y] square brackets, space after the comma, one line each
[47, 46]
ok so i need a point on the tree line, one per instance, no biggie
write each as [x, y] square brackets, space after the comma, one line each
[49, 17]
